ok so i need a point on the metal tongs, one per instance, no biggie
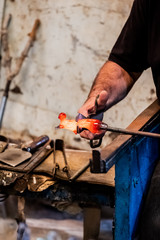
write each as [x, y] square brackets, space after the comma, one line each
[103, 126]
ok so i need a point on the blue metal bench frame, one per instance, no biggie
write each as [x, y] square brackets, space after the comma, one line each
[135, 159]
[133, 171]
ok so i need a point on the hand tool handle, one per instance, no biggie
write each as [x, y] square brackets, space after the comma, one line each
[38, 142]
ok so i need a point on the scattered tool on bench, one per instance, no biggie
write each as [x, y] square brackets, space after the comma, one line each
[59, 168]
[14, 156]
[59, 146]
[37, 143]
[35, 160]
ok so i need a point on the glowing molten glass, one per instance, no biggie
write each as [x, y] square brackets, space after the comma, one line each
[67, 124]
[93, 125]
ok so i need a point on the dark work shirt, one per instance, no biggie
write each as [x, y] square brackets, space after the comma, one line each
[138, 46]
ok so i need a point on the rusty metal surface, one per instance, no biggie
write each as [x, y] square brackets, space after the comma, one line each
[14, 156]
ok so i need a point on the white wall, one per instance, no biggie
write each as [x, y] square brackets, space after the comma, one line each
[74, 40]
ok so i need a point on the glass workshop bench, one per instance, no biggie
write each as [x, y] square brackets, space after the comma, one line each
[117, 176]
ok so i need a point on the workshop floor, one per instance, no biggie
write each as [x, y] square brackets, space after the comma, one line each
[47, 223]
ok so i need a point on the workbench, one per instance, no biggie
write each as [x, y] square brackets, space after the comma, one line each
[128, 163]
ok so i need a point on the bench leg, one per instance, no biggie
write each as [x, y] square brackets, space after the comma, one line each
[91, 223]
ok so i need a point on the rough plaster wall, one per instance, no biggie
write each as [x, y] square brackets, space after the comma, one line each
[73, 42]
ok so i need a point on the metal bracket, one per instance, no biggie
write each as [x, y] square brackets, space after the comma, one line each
[97, 165]
[59, 146]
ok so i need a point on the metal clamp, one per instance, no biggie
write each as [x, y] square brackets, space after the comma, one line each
[95, 143]
[97, 165]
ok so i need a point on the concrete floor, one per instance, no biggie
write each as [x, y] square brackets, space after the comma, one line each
[47, 223]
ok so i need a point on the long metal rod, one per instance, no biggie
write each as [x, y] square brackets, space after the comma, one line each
[2, 108]
[79, 172]
[129, 132]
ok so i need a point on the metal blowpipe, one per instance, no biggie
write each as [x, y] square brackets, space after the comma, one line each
[104, 126]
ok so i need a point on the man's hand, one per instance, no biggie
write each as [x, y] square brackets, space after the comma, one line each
[90, 108]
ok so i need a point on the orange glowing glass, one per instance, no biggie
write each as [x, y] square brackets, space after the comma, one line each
[67, 124]
[93, 125]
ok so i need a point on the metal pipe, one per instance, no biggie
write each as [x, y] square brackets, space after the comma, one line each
[79, 172]
[2, 108]
[104, 126]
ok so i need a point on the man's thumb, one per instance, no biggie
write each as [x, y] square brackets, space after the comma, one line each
[102, 100]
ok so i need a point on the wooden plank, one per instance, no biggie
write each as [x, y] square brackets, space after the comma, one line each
[76, 160]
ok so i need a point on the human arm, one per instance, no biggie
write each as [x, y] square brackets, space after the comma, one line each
[127, 60]
[112, 84]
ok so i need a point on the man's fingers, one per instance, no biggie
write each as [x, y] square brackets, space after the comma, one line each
[87, 134]
[90, 108]
[90, 136]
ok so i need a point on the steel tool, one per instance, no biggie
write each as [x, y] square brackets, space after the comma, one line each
[104, 126]
[37, 143]
[79, 172]
[59, 146]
